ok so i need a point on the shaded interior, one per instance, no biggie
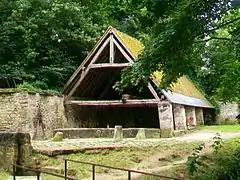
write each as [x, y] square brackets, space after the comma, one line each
[134, 117]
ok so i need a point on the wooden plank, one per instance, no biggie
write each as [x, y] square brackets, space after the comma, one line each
[118, 103]
[152, 90]
[110, 65]
[87, 69]
[111, 58]
[122, 51]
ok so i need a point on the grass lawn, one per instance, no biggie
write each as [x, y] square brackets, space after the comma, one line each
[222, 128]
[168, 151]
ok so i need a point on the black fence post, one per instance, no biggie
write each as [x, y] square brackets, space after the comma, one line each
[65, 169]
[38, 175]
[129, 175]
[14, 173]
[93, 172]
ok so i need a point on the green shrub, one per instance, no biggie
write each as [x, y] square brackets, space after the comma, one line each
[221, 164]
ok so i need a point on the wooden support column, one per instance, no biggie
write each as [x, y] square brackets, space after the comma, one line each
[111, 49]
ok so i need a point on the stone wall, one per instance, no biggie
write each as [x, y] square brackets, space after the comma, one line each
[15, 148]
[31, 113]
[228, 113]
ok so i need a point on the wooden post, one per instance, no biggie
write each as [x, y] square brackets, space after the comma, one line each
[111, 49]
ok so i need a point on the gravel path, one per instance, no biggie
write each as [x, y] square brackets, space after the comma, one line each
[130, 142]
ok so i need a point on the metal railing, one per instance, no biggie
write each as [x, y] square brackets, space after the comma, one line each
[130, 171]
[65, 176]
[38, 172]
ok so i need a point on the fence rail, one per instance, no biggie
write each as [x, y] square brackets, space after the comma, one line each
[65, 176]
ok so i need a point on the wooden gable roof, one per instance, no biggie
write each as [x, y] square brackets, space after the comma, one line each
[182, 92]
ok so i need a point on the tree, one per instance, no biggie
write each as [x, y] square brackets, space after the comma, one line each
[43, 41]
[221, 72]
[178, 42]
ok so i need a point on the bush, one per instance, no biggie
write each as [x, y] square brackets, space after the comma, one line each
[221, 164]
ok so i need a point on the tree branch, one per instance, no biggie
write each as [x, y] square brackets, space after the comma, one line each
[225, 24]
[212, 38]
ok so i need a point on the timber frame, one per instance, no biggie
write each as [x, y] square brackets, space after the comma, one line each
[112, 43]
[90, 89]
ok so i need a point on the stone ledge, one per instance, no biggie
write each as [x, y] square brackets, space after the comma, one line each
[74, 133]
[16, 90]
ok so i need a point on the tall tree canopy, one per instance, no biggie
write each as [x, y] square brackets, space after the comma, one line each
[43, 41]
[177, 45]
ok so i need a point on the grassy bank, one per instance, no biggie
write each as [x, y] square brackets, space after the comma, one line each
[222, 128]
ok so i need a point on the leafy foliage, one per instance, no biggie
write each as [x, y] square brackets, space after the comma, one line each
[222, 163]
[42, 41]
[193, 161]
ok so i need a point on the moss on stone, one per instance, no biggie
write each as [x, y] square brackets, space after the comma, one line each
[58, 137]
[141, 134]
[165, 133]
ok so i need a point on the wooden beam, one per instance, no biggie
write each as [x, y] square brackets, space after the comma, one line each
[117, 103]
[110, 65]
[111, 56]
[154, 93]
[122, 51]
[87, 69]
[110, 29]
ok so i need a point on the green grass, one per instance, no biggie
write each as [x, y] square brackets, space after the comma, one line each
[126, 158]
[222, 128]
[224, 163]
[3, 175]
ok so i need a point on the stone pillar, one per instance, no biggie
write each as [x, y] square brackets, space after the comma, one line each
[199, 116]
[165, 119]
[118, 134]
[15, 148]
[190, 116]
[179, 117]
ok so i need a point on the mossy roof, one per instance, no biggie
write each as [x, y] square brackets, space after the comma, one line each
[183, 86]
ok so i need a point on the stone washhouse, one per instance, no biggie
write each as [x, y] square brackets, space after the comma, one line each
[90, 90]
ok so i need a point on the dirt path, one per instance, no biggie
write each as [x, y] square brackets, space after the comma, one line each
[151, 164]
[205, 136]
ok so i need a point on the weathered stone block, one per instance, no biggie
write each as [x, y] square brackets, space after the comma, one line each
[15, 148]
[141, 134]
[165, 118]
[179, 117]
[118, 134]
[191, 116]
[199, 116]
[58, 137]
[166, 133]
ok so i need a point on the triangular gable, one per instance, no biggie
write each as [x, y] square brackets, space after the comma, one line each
[182, 92]
[111, 42]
